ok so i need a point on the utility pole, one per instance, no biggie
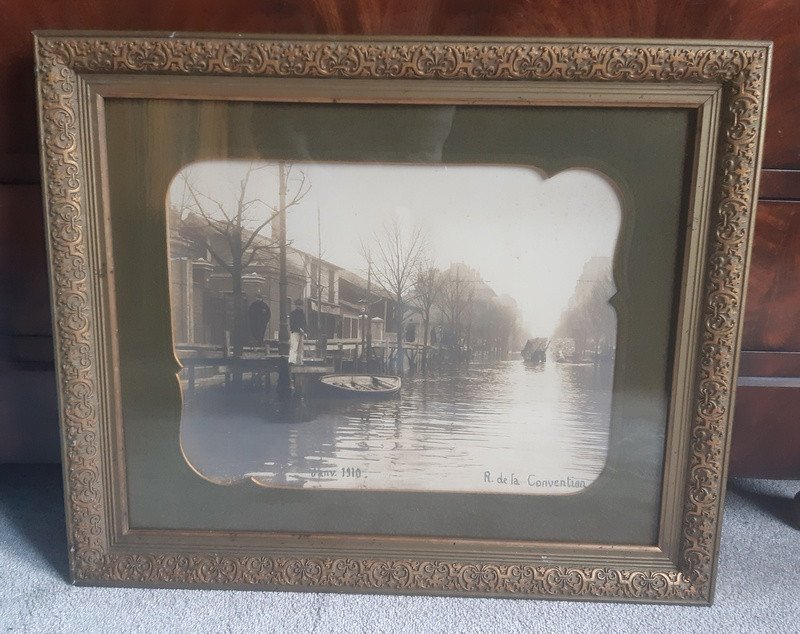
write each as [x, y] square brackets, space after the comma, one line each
[284, 386]
[283, 283]
[368, 305]
[319, 275]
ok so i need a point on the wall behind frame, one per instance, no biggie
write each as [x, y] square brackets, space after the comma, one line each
[766, 439]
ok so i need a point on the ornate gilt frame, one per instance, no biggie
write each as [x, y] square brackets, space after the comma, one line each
[725, 81]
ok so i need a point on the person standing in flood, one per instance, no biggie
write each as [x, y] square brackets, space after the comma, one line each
[258, 315]
[297, 332]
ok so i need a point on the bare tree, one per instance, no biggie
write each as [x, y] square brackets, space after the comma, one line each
[394, 263]
[590, 320]
[427, 286]
[234, 233]
[502, 330]
[455, 302]
[369, 300]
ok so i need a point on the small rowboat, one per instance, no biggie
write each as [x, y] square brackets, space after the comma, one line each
[362, 385]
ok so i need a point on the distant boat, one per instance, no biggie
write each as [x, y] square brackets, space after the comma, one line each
[362, 385]
[573, 359]
[568, 362]
[535, 351]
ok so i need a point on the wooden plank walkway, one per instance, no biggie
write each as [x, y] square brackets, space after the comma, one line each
[311, 369]
[262, 362]
[303, 375]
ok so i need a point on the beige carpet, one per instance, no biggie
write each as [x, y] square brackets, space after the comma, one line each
[758, 588]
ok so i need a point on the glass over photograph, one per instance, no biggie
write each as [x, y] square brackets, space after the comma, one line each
[394, 326]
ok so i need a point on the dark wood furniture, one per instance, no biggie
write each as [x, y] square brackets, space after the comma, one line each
[766, 439]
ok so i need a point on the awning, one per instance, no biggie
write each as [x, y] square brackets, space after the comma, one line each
[327, 309]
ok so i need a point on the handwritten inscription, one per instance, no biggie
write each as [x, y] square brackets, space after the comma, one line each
[335, 474]
[531, 480]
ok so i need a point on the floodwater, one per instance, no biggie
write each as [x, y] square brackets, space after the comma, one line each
[499, 427]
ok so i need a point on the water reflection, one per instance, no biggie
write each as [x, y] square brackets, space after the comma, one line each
[499, 427]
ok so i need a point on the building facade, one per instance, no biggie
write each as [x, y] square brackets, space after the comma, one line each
[203, 285]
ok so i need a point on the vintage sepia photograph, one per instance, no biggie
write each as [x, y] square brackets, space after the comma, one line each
[394, 326]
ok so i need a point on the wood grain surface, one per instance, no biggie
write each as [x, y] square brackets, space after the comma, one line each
[773, 310]
[772, 315]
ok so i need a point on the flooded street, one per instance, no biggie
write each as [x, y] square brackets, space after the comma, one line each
[499, 427]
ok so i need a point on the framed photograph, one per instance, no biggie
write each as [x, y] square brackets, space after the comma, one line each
[450, 317]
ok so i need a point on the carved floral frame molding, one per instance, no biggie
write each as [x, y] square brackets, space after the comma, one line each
[740, 69]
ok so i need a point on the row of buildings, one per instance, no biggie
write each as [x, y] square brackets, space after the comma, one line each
[337, 302]
[587, 329]
[201, 289]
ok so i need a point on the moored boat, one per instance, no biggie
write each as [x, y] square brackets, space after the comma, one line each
[362, 385]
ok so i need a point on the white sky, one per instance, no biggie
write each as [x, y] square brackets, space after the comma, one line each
[528, 237]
